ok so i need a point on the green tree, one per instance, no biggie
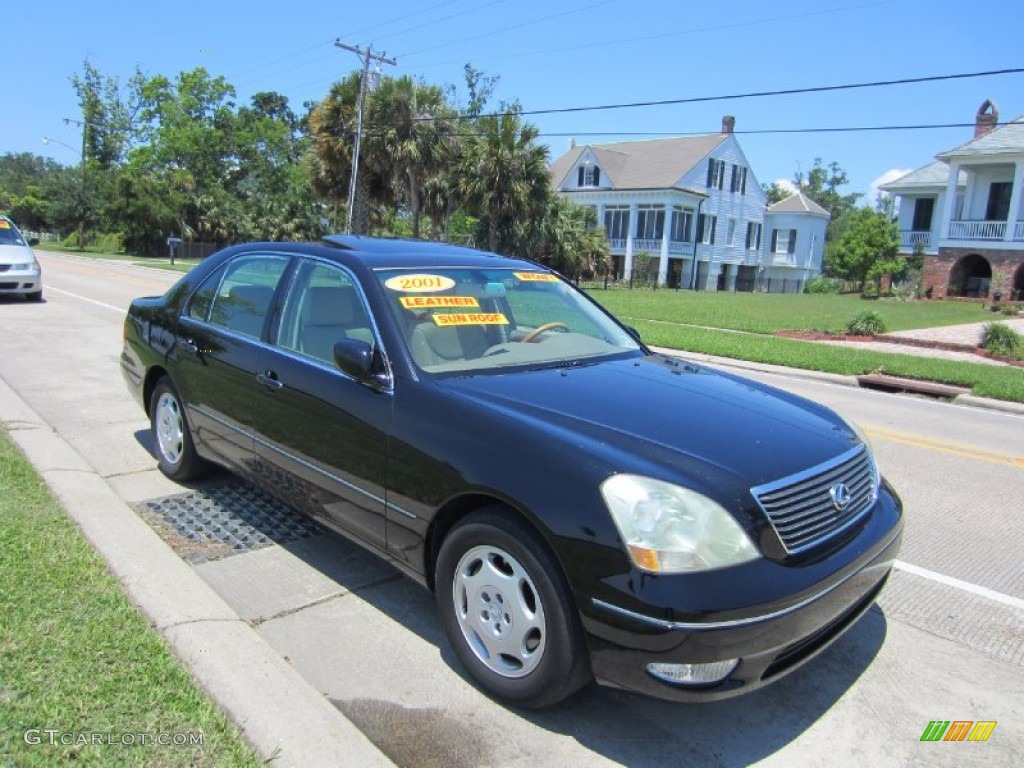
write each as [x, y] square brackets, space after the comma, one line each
[332, 129]
[868, 247]
[503, 179]
[821, 184]
[775, 193]
[409, 139]
[570, 241]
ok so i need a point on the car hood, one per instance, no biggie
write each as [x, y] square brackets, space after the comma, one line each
[665, 415]
[15, 254]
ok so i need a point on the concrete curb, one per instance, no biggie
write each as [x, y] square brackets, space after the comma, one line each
[276, 710]
[971, 401]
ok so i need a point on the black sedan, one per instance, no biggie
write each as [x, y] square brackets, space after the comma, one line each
[580, 507]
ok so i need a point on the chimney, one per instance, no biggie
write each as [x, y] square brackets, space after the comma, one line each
[572, 142]
[986, 119]
[728, 123]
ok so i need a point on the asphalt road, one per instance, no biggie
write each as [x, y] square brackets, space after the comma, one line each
[946, 641]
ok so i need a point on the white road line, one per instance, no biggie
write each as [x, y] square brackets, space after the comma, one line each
[949, 581]
[86, 298]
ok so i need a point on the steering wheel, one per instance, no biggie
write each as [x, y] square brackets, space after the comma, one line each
[532, 335]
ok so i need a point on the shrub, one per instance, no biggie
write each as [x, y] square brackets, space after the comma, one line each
[1011, 311]
[866, 323]
[1000, 339]
[821, 284]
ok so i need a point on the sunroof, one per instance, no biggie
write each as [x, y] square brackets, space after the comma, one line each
[397, 246]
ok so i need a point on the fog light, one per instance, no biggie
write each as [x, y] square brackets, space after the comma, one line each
[693, 674]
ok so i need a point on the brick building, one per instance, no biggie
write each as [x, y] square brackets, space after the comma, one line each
[965, 212]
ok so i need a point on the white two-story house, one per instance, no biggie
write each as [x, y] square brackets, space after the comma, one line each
[965, 212]
[691, 210]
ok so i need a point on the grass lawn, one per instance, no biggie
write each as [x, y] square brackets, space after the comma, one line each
[687, 320]
[770, 312]
[77, 657]
[1002, 383]
[180, 265]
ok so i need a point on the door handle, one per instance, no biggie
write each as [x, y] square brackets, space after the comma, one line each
[188, 345]
[269, 380]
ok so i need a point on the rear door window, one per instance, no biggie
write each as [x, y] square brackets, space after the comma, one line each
[238, 296]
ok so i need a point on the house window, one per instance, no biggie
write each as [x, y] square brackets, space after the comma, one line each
[616, 223]
[998, 208]
[783, 241]
[588, 176]
[753, 236]
[924, 207]
[682, 224]
[650, 222]
[706, 225]
[739, 179]
[716, 173]
[730, 238]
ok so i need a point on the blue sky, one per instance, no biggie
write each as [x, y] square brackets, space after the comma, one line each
[562, 53]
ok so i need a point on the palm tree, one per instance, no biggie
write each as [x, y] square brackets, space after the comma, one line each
[570, 240]
[409, 138]
[503, 179]
[332, 124]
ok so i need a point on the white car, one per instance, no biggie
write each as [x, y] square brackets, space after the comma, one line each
[19, 270]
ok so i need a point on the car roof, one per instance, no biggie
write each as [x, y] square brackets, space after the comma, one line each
[383, 253]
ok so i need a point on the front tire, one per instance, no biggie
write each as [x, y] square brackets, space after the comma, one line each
[508, 613]
[37, 296]
[172, 438]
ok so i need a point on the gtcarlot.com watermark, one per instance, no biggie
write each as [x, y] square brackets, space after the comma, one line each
[57, 737]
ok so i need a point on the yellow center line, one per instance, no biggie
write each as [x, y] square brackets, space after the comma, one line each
[943, 446]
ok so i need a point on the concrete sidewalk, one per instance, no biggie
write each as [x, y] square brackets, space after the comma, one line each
[278, 713]
[967, 335]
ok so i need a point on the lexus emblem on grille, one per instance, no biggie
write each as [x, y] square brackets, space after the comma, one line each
[841, 496]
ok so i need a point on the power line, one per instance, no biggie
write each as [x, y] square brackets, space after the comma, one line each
[619, 42]
[420, 12]
[761, 94]
[509, 29]
[370, 130]
[763, 131]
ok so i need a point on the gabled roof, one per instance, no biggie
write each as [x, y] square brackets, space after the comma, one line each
[1007, 139]
[798, 203]
[654, 164]
[932, 176]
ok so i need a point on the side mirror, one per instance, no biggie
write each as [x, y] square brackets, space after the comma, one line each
[33, 241]
[357, 359]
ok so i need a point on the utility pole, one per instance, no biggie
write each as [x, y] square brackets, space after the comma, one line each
[84, 125]
[367, 55]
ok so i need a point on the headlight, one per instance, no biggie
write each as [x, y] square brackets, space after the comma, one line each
[669, 529]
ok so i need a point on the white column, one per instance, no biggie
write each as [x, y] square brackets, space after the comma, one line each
[627, 266]
[950, 201]
[730, 276]
[663, 261]
[1015, 197]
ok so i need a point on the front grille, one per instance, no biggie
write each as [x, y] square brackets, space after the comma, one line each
[5, 267]
[8, 286]
[803, 508]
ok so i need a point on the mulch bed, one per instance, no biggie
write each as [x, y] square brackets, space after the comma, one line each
[807, 335]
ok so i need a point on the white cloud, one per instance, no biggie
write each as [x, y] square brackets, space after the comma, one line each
[890, 175]
[786, 184]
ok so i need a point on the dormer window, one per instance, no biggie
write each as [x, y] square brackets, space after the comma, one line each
[589, 176]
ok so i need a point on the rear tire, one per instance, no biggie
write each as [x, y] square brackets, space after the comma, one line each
[172, 437]
[508, 612]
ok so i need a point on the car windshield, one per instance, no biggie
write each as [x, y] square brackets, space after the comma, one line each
[9, 234]
[476, 320]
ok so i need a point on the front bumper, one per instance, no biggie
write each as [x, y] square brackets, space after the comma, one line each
[14, 280]
[769, 640]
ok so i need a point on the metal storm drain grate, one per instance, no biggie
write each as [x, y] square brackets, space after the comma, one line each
[224, 520]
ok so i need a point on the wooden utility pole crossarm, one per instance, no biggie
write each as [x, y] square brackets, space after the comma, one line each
[367, 55]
